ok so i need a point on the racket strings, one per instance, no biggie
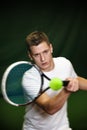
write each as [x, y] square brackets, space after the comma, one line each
[14, 92]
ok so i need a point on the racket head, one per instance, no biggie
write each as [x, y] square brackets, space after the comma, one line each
[11, 84]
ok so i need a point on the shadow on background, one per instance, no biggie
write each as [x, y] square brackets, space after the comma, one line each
[11, 117]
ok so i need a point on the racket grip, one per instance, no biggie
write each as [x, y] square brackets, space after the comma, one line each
[65, 83]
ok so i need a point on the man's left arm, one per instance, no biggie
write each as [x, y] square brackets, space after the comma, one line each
[82, 83]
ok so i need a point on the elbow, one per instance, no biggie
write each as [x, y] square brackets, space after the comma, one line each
[52, 111]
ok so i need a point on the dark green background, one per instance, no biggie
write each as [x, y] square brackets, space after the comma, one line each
[66, 26]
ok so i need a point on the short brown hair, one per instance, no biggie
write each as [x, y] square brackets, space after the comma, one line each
[35, 38]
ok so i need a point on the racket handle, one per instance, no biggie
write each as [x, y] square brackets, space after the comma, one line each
[65, 83]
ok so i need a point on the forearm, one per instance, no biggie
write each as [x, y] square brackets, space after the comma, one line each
[56, 103]
[82, 83]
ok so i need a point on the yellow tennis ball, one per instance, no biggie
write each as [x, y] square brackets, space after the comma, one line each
[56, 84]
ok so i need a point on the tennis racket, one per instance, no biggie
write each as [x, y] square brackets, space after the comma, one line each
[12, 88]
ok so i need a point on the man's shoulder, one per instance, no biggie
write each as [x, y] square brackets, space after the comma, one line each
[31, 72]
[60, 58]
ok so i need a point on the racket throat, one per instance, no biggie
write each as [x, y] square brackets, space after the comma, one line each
[43, 75]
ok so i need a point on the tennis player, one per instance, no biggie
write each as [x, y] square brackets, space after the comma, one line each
[49, 111]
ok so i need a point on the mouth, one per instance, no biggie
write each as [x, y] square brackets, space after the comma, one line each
[44, 64]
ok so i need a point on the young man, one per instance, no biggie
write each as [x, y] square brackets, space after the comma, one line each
[49, 112]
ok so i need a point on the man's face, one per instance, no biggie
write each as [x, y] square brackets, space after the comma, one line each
[42, 56]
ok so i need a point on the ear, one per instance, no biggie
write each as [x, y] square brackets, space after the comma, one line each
[29, 55]
[51, 48]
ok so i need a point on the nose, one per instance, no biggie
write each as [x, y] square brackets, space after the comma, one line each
[42, 57]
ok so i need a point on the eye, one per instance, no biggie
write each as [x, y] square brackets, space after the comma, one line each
[36, 55]
[46, 51]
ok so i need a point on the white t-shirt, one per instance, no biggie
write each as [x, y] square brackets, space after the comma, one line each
[37, 119]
